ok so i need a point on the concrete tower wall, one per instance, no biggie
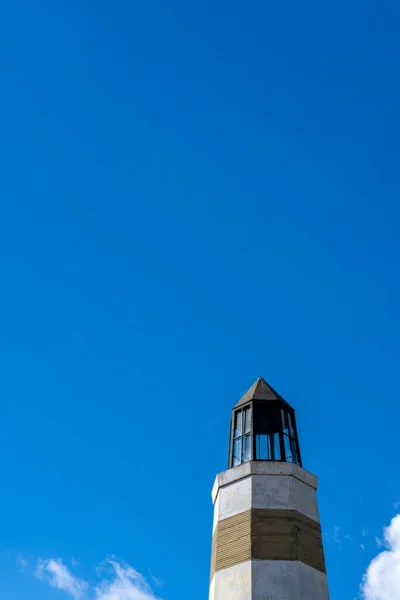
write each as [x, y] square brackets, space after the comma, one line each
[267, 541]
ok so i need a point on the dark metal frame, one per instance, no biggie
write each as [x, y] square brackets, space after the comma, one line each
[232, 439]
[274, 405]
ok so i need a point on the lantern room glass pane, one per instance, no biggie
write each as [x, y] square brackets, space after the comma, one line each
[247, 420]
[263, 447]
[267, 419]
[291, 428]
[285, 426]
[294, 450]
[277, 448]
[288, 448]
[238, 424]
[237, 452]
[247, 448]
[273, 425]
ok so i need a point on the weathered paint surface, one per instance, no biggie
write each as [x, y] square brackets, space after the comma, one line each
[233, 499]
[284, 491]
[263, 468]
[286, 580]
[269, 580]
[265, 485]
[233, 583]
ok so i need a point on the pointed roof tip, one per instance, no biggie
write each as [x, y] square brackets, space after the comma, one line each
[260, 390]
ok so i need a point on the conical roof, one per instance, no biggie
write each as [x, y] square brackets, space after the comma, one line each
[260, 390]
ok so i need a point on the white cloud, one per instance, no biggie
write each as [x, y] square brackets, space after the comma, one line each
[125, 584]
[58, 575]
[382, 579]
[118, 581]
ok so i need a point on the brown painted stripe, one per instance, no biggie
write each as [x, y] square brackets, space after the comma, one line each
[267, 534]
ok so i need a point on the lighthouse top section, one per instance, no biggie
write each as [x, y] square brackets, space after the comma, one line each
[263, 427]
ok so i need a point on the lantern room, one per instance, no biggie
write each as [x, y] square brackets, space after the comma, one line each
[263, 427]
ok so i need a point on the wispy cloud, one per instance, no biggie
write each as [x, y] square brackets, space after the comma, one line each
[124, 584]
[22, 562]
[118, 581]
[157, 581]
[380, 543]
[396, 504]
[58, 576]
[336, 537]
[382, 579]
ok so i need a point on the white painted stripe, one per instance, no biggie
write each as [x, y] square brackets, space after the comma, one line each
[265, 491]
[269, 580]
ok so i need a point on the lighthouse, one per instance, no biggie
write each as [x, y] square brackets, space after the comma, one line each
[267, 542]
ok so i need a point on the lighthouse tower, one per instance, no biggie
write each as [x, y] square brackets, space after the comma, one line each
[267, 542]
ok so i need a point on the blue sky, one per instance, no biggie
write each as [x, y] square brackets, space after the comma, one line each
[193, 195]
